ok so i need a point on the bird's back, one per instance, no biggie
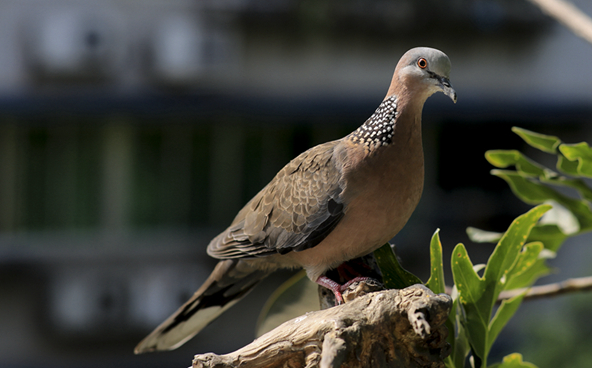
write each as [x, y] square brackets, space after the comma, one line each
[294, 212]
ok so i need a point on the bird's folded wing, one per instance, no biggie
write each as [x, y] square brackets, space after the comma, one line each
[294, 212]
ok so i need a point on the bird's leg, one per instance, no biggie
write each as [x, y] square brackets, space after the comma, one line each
[324, 281]
[356, 279]
[337, 288]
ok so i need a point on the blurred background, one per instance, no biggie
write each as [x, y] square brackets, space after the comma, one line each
[131, 132]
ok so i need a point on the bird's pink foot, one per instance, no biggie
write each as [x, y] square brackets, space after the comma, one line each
[333, 286]
[337, 288]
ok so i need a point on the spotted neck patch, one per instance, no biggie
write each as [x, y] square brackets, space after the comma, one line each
[378, 130]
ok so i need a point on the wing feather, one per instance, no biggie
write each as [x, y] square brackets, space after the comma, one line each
[294, 212]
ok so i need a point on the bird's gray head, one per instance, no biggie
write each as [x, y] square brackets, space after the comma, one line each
[425, 71]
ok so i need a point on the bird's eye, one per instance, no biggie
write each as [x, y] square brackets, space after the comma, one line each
[422, 63]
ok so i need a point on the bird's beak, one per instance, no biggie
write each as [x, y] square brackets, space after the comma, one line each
[447, 88]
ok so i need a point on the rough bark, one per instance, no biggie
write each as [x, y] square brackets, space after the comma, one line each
[387, 328]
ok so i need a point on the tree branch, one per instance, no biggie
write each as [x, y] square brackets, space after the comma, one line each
[545, 291]
[569, 15]
[388, 328]
[550, 290]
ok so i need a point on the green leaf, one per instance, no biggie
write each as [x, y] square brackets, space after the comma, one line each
[468, 283]
[483, 236]
[506, 158]
[528, 255]
[527, 278]
[528, 168]
[502, 316]
[477, 295]
[513, 361]
[505, 254]
[580, 152]
[526, 189]
[522, 274]
[578, 184]
[394, 275]
[470, 291]
[536, 193]
[546, 143]
[549, 234]
[502, 158]
[566, 166]
[436, 281]
[576, 151]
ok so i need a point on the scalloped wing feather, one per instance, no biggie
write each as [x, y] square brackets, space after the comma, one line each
[294, 212]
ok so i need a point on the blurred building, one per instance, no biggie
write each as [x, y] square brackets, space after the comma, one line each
[131, 132]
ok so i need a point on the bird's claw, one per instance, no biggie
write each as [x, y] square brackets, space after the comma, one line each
[338, 289]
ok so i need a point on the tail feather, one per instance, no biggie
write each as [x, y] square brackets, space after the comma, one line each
[225, 287]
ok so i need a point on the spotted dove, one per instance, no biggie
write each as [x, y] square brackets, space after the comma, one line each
[337, 201]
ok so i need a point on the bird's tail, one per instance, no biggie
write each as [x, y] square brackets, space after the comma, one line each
[230, 281]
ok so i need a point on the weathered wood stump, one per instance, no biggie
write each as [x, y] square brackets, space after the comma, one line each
[387, 328]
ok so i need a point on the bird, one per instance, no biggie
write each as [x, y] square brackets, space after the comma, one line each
[332, 203]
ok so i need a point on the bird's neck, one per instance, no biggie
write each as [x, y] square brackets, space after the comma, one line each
[397, 117]
[402, 154]
[379, 129]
